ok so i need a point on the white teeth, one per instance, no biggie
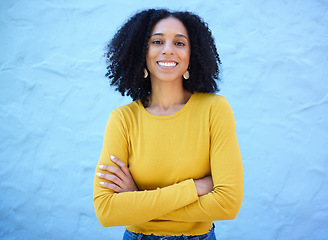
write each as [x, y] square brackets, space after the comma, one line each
[167, 64]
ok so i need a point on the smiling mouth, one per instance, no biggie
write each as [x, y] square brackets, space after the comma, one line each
[167, 64]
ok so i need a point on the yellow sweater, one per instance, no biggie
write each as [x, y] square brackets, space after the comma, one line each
[164, 155]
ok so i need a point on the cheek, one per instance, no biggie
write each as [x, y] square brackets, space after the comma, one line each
[150, 63]
[150, 55]
[186, 57]
[152, 51]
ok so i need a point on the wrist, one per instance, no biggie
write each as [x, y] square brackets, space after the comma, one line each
[198, 188]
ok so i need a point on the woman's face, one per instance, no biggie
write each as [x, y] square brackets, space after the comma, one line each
[168, 50]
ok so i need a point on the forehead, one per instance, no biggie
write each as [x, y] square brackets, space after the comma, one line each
[170, 25]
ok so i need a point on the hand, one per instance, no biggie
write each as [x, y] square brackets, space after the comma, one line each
[204, 185]
[121, 178]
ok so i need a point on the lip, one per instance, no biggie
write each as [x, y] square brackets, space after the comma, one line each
[167, 64]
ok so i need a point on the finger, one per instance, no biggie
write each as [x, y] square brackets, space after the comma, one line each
[121, 164]
[115, 170]
[111, 186]
[111, 178]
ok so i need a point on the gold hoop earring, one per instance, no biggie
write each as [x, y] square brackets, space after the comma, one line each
[186, 75]
[145, 73]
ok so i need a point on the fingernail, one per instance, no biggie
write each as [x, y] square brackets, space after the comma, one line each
[101, 166]
[102, 183]
[99, 174]
[112, 157]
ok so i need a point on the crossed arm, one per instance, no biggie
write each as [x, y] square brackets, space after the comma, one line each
[122, 180]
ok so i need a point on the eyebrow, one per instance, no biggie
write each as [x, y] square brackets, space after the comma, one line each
[177, 35]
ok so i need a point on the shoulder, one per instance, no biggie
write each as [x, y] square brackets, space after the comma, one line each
[126, 112]
[216, 107]
[128, 108]
[212, 101]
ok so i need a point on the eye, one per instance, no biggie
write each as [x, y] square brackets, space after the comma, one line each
[156, 42]
[179, 43]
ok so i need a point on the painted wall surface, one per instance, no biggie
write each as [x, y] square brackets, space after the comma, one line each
[55, 100]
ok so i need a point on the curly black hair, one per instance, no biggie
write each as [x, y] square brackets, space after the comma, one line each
[126, 54]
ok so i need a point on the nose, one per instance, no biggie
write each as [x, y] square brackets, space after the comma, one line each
[167, 49]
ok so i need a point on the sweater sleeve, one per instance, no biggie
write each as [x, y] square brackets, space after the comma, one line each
[128, 208]
[224, 202]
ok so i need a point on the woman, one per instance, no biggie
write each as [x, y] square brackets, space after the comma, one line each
[170, 162]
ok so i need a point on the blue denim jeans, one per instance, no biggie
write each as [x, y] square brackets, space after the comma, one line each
[140, 236]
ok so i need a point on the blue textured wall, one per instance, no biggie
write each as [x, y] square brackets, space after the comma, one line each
[54, 104]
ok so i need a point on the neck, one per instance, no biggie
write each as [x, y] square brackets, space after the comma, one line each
[167, 98]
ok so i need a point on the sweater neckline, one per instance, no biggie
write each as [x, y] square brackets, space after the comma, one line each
[173, 115]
